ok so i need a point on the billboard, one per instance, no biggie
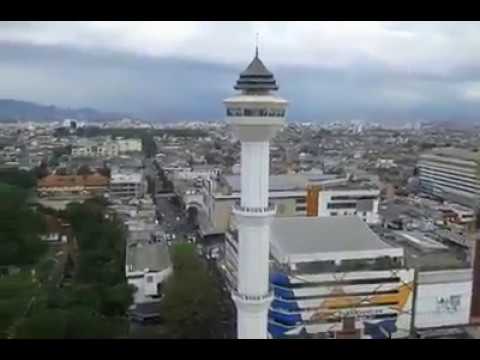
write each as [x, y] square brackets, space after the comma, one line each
[443, 304]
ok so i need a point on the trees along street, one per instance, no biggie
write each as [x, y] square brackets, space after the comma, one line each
[191, 303]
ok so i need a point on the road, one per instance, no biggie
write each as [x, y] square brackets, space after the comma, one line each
[173, 220]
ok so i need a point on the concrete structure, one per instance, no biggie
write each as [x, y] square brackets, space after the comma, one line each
[129, 145]
[105, 147]
[198, 171]
[255, 115]
[127, 185]
[443, 298]
[147, 267]
[350, 199]
[328, 270]
[451, 174]
[68, 186]
[286, 192]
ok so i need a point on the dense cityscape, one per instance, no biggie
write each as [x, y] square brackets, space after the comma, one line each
[252, 226]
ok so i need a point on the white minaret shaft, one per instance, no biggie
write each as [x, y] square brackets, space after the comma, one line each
[256, 116]
[255, 173]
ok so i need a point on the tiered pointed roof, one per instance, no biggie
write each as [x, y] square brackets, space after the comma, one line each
[256, 77]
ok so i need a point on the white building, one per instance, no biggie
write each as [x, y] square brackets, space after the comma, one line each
[129, 145]
[451, 174]
[443, 298]
[147, 267]
[348, 199]
[287, 192]
[385, 164]
[327, 270]
[127, 185]
[192, 173]
[105, 147]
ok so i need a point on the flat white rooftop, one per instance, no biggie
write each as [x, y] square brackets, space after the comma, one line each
[118, 178]
[284, 182]
[306, 239]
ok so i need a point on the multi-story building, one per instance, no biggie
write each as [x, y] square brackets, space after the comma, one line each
[129, 145]
[348, 199]
[327, 270]
[127, 185]
[105, 147]
[287, 192]
[451, 174]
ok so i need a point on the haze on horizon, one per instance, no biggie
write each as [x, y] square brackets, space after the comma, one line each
[379, 71]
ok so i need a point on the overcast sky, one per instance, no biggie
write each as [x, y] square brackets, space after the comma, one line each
[382, 71]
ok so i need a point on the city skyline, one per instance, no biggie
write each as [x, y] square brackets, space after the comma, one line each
[174, 71]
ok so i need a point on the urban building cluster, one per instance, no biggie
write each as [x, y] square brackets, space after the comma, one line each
[320, 230]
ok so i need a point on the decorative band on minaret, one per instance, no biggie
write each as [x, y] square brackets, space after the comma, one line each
[256, 115]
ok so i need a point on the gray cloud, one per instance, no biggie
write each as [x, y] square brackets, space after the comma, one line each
[164, 83]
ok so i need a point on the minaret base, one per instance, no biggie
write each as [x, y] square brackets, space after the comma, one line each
[252, 315]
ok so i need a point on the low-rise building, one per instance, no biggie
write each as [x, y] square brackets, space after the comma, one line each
[129, 145]
[72, 185]
[147, 266]
[443, 298]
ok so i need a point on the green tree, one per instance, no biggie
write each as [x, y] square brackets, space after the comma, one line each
[84, 170]
[20, 228]
[45, 324]
[104, 171]
[20, 178]
[116, 300]
[148, 145]
[190, 306]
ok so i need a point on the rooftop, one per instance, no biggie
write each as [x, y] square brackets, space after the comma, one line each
[73, 180]
[304, 239]
[142, 256]
[285, 182]
[351, 185]
[423, 252]
[256, 77]
[130, 177]
[459, 153]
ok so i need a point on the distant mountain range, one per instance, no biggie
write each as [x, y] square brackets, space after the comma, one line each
[16, 110]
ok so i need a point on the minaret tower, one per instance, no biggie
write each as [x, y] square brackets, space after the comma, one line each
[255, 115]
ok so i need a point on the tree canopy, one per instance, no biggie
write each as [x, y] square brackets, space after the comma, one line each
[20, 228]
[190, 306]
[95, 302]
[20, 178]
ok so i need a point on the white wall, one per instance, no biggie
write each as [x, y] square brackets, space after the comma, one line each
[146, 289]
[325, 197]
[129, 145]
[455, 309]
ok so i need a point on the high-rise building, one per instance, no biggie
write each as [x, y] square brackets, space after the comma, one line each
[255, 115]
[451, 174]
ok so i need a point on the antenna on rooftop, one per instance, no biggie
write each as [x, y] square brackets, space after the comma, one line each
[256, 45]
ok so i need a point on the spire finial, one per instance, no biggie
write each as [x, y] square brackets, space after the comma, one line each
[256, 46]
